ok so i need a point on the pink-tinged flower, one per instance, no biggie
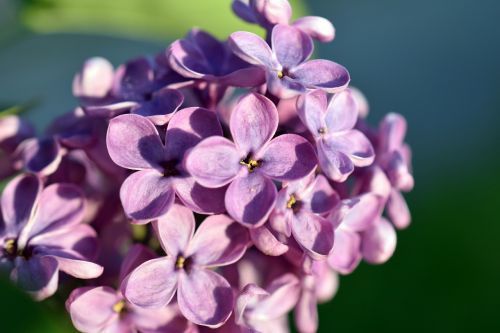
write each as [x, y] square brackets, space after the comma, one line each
[351, 218]
[288, 70]
[104, 309]
[298, 213]
[134, 143]
[268, 13]
[261, 310]
[200, 56]
[340, 147]
[41, 233]
[252, 162]
[204, 297]
[378, 242]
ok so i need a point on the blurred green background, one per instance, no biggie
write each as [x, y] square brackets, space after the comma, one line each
[435, 61]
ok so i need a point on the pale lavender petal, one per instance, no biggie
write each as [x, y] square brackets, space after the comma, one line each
[166, 319]
[37, 275]
[72, 263]
[398, 171]
[136, 255]
[214, 162]
[175, 230]
[161, 107]
[134, 143]
[18, 199]
[13, 130]
[252, 76]
[219, 241]
[109, 109]
[311, 109]
[291, 45]
[146, 195]
[250, 295]
[357, 213]
[317, 27]
[323, 74]
[152, 284]
[321, 197]
[92, 308]
[335, 164]
[354, 144]
[95, 79]
[187, 128]
[267, 242]
[314, 234]
[200, 199]
[327, 281]
[346, 253]
[288, 157]
[397, 210]
[274, 12]
[253, 122]
[253, 49]
[379, 242]
[306, 312]
[392, 132]
[40, 156]
[205, 298]
[342, 112]
[250, 199]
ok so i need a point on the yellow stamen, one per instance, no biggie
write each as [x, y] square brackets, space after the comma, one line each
[322, 130]
[10, 246]
[251, 164]
[179, 264]
[119, 306]
[291, 202]
[280, 74]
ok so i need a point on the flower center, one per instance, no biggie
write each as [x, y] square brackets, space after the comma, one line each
[322, 130]
[119, 306]
[291, 202]
[10, 246]
[250, 163]
[280, 74]
[180, 262]
[170, 168]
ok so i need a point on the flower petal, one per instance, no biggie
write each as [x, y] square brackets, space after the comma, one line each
[267, 242]
[379, 242]
[18, 199]
[272, 12]
[161, 107]
[37, 275]
[291, 45]
[134, 143]
[74, 264]
[398, 210]
[152, 284]
[306, 311]
[251, 48]
[187, 128]
[357, 213]
[41, 156]
[205, 298]
[311, 109]
[323, 74]
[175, 230]
[250, 199]
[146, 195]
[214, 162]
[219, 241]
[317, 27]
[94, 80]
[346, 253]
[335, 164]
[320, 197]
[136, 255]
[313, 233]
[392, 132]
[253, 122]
[342, 112]
[200, 199]
[288, 157]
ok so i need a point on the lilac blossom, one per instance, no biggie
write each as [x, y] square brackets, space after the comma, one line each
[340, 146]
[252, 161]
[41, 234]
[13, 131]
[134, 143]
[204, 297]
[288, 71]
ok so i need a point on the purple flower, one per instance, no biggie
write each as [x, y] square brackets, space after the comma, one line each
[204, 297]
[298, 213]
[40, 156]
[13, 131]
[288, 72]
[134, 143]
[340, 147]
[252, 162]
[41, 233]
[378, 242]
[200, 56]
[268, 13]
[103, 309]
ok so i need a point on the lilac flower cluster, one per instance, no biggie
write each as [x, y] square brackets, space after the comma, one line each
[217, 186]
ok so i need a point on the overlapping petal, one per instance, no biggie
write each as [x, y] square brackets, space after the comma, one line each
[324, 74]
[291, 45]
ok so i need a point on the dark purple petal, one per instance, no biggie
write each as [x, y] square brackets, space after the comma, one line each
[379, 242]
[291, 45]
[188, 60]
[134, 143]
[253, 122]
[398, 210]
[243, 10]
[37, 275]
[317, 27]
[41, 156]
[250, 199]
[19, 198]
[94, 80]
[312, 111]
[214, 162]
[175, 230]
[152, 284]
[200, 199]
[288, 157]
[134, 79]
[205, 298]
[161, 107]
[314, 233]
[146, 195]
[219, 241]
[323, 74]
[342, 112]
[187, 128]
[346, 253]
[253, 49]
